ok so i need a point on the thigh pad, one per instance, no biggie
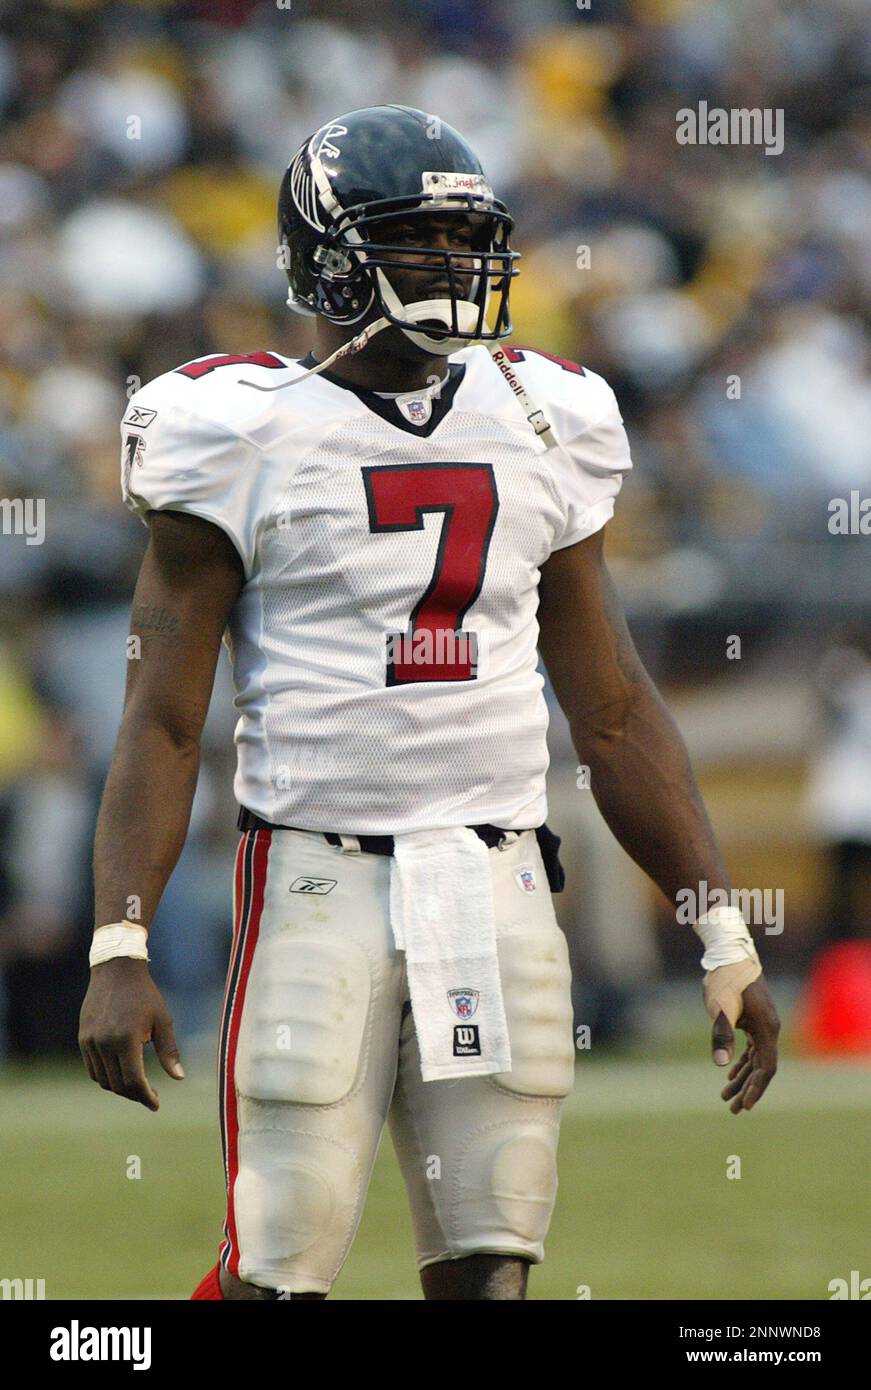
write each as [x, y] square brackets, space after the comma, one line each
[304, 1022]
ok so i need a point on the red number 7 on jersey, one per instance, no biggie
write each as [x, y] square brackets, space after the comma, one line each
[433, 648]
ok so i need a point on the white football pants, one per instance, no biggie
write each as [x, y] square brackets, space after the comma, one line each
[318, 1049]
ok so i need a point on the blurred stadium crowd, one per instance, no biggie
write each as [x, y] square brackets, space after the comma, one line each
[140, 154]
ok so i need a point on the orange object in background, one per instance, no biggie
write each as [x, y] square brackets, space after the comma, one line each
[834, 1013]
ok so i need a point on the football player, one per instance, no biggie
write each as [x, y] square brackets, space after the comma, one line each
[386, 534]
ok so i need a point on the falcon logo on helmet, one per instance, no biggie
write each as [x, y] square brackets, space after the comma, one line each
[369, 165]
[327, 134]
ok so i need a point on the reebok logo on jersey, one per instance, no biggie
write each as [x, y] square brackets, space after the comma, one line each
[139, 416]
[466, 1040]
[313, 885]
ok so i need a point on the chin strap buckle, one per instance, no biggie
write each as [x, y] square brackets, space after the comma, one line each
[534, 414]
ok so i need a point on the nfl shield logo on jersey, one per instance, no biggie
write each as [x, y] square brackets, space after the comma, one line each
[464, 1002]
[416, 409]
[526, 879]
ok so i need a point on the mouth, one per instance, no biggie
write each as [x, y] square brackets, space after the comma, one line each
[433, 327]
[444, 291]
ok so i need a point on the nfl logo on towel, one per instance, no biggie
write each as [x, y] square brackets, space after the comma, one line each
[464, 1002]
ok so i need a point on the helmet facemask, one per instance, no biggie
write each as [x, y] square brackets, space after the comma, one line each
[471, 276]
[343, 270]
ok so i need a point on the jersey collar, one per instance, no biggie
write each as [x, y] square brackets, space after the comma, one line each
[434, 405]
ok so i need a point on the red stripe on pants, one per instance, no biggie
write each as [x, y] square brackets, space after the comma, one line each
[249, 909]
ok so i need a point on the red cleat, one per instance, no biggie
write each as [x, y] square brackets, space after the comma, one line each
[210, 1287]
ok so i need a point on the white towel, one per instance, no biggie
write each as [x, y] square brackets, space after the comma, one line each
[441, 912]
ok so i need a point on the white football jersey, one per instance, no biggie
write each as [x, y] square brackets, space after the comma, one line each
[384, 646]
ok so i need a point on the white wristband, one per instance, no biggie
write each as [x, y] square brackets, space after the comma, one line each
[119, 939]
[726, 938]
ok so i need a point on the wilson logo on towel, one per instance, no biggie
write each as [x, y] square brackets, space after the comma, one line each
[466, 1040]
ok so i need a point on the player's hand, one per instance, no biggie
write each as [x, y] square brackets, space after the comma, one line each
[750, 1075]
[122, 1011]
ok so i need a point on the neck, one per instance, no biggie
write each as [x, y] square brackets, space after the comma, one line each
[382, 365]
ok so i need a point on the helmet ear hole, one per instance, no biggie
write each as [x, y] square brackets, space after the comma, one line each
[299, 246]
[311, 271]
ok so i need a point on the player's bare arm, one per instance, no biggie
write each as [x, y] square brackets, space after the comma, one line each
[190, 578]
[640, 773]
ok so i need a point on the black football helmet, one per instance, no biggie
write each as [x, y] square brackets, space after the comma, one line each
[371, 165]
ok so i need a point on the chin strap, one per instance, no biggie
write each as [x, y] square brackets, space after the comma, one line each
[534, 414]
[467, 316]
[438, 311]
[346, 350]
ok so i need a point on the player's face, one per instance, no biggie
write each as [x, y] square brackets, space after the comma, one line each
[427, 276]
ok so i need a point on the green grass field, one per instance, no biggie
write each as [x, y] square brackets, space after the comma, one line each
[645, 1209]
